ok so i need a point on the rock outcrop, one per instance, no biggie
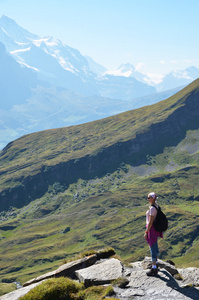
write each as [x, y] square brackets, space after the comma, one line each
[101, 273]
[66, 270]
[190, 277]
[165, 285]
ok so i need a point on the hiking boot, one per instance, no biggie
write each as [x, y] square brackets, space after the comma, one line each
[157, 266]
[152, 272]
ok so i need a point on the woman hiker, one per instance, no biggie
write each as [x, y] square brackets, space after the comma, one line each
[151, 235]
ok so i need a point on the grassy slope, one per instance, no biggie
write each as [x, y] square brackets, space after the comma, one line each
[27, 155]
[100, 212]
[103, 211]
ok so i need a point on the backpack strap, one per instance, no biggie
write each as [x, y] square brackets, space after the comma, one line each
[158, 208]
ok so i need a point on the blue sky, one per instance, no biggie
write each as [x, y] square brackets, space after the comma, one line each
[156, 36]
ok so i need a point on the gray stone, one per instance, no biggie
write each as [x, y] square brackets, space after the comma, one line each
[66, 270]
[19, 293]
[101, 273]
[190, 276]
[162, 264]
[160, 287]
[138, 265]
[40, 278]
[132, 293]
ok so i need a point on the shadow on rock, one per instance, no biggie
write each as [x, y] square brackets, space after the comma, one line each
[188, 290]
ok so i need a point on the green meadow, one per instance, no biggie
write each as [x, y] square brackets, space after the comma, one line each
[106, 209]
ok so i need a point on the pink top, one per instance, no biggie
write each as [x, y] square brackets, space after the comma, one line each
[152, 234]
[151, 212]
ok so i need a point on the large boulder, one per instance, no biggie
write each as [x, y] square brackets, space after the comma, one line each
[66, 270]
[101, 273]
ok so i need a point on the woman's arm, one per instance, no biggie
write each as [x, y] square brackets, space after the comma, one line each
[151, 219]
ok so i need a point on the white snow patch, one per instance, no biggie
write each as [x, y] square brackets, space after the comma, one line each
[47, 40]
[27, 66]
[66, 65]
[119, 72]
[181, 74]
[4, 31]
[21, 44]
[51, 44]
[20, 50]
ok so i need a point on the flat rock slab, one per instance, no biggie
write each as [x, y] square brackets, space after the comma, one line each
[101, 273]
[160, 287]
[66, 270]
[15, 295]
[190, 276]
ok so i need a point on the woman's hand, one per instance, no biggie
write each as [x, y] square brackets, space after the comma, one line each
[146, 235]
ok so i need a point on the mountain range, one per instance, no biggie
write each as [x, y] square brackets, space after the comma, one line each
[169, 81]
[61, 65]
[46, 84]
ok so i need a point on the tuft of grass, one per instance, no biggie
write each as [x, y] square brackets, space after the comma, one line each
[6, 288]
[121, 282]
[59, 289]
[96, 292]
[178, 276]
[102, 253]
[187, 286]
[65, 288]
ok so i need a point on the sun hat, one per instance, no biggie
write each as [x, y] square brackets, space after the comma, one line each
[152, 194]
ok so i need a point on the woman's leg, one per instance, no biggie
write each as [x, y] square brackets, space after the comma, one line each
[154, 253]
[157, 252]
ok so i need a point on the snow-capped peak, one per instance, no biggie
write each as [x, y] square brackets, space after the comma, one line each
[188, 73]
[48, 41]
[125, 70]
[180, 74]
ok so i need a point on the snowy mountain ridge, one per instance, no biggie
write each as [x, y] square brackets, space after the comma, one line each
[27, 48]
[47, 84]
[181, 77]
[19, 41]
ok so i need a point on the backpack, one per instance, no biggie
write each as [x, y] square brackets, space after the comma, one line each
[161, 222]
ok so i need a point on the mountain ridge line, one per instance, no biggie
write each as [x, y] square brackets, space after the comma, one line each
[95, 148]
